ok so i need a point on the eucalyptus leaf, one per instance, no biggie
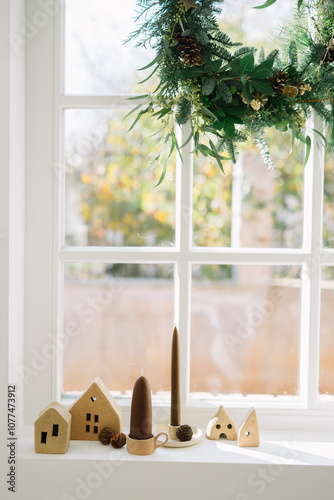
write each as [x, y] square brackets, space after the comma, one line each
[143, 96]
[207, 112]
[293, 134]
[149, 76]
[308, 149]
[268, 3]
[155, 60]
[132, 111]
[140, 114]
[163, 174]
[190, 136]
[162, 112]
[322, 136]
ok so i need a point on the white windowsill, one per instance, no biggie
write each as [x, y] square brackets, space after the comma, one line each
[293, 466]
[293, 448]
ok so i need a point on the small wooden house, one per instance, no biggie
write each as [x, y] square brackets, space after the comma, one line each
[93, 411]
[52, 430]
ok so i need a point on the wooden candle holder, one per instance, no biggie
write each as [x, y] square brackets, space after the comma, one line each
[145, 446]
[172, 431]
[174, 442]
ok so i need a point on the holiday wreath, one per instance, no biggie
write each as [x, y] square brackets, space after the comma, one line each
[227, 92]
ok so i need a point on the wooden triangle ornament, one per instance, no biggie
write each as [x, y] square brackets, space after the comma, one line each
[248, 434]
[221, 425]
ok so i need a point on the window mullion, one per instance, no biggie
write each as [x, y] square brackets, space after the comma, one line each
[184, 209]
[313, 215]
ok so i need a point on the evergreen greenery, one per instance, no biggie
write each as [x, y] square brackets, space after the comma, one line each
[227, 96]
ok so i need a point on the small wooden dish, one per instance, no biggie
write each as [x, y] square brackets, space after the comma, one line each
[175, 443]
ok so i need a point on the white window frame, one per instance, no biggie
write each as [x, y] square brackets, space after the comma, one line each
[45, 253]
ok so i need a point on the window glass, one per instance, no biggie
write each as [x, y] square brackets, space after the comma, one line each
[245, 329]
[251, 205]
[326, 379]
[96, 60]
[110, 197]
[328, 224]
[118, 322]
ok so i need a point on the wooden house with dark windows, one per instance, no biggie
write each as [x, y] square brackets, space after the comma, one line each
[52, 430]
[93, 411]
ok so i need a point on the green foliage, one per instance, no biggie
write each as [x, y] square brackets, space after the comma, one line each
[293, 54]
[225, 92]
[222, 90]
[183, 110]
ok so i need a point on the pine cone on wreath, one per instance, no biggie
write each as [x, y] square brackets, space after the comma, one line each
[278, 81]
[328, 55]
[190, 49]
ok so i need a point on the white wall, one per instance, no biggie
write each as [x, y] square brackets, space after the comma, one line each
[12, 156]
[4, 220]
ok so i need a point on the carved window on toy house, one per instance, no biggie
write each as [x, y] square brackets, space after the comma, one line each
[226, 258]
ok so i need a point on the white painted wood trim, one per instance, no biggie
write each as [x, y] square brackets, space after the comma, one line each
[315, 173]
[38, 348]
[194, 255]
[183, 268]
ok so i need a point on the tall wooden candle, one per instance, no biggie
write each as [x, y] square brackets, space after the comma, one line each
[141, 410]
[175, 413]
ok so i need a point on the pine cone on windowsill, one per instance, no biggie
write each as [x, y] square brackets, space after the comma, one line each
[105, 435]
[184, 433]
[118, 441]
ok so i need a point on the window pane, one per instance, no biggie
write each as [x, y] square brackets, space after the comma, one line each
[252, 27]
[328, 229]
[326, 380]
[245, 326]
[251, 206]
[97, 62]
[117, 322]
[110, 194]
